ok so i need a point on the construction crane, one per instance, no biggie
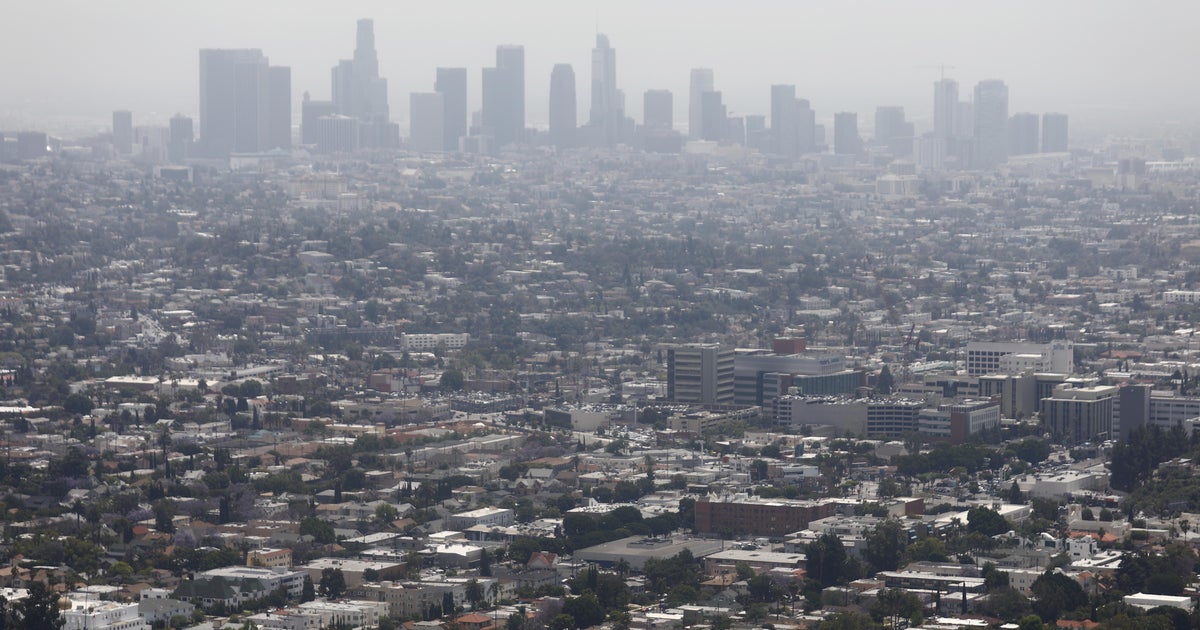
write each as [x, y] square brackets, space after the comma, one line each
[940, 68]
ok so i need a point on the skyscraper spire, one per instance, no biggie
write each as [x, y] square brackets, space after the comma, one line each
[359, 92]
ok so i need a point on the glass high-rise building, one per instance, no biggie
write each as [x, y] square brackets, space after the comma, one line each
[658, 110]
[563, 111]
[122, 130]
[846, 140]
[239, 100]
[785, 121]
[425, 124]
[990, 143]
[701, 83]
[504, 95]
[452, 85]
[1054, 133]
[1023, 131]
[607, 110]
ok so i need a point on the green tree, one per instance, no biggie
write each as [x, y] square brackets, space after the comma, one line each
[78, 404]
[1014, 494]
[885, 544]
[986, 521]
[928, 549]
[884, 382]
[585, 610]
[333, 583]
[762, 589]
[826, 559]
[452, 380]
[1056, 594]
[895, 605]
[309, 591]
[39, 610]
[562, 621]
[474, 593]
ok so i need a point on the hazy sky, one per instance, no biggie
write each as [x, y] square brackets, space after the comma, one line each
[1097, 60]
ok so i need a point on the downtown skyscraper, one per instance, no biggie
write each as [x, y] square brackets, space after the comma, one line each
[504, 96]
[1054, 133]
[700, 83]
[241, 98]
[608, 110]
[563, 114]
[990, 145]
[360, 93]
[452, 85]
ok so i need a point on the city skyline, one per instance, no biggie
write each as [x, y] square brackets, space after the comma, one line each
[898, 69]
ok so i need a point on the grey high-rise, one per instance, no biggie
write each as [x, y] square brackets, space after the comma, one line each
[1054, 135]
[846, 140]
[607, 111]
[806, 127]
[360, 93]
[181, 135]
[426, 125]
[1023, 134]
[122, 130]
[893, 131]
[563, 110]
[700, 373]
[701, 82]
[279, 107]
[234, 101]
[990, 148]
[714, 122]
[658, 110]
[358, 90]
[785, 121]
[504, 95]
[310, 112]
[452, 84]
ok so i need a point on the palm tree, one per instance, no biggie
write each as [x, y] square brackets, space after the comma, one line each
[494, 591]
[622, 567]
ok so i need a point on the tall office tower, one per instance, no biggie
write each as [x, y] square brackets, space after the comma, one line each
[714, 123]
[279, 107]
[945, 108]
[1023, 134]
[179, 144]
[846, 140]
[122, 129]
[336, 134]
[893, 131]
[700, 373]
[359, 92]
[990, 147]
[1054, 135]
[425, 121]
[310, 112]
[946, 123]
[607, 112]
[504, 96]
[563, 117]
[701, 83]
[806, 127]
[964, 121]
[235, 110]
[658, 110]
[452, 84]
[785, 123]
